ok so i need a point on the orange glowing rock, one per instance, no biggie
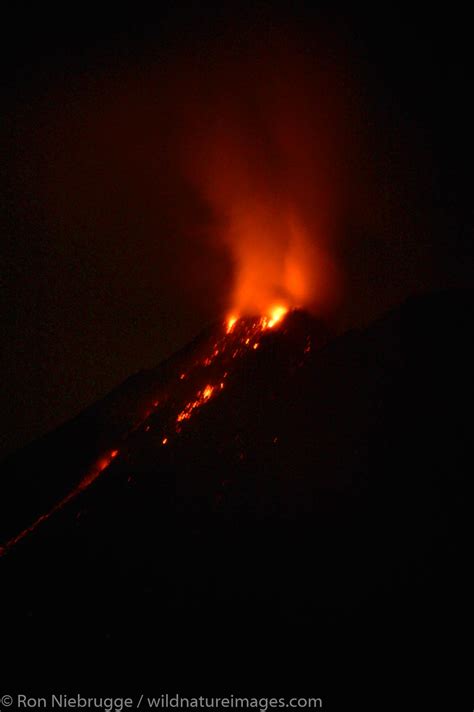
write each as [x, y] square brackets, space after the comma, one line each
[230, 323]
[207, 393]
[276, 314]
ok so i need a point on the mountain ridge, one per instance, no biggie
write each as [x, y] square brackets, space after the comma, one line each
[331, 497]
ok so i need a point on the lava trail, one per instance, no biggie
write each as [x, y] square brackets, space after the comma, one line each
[236, 337]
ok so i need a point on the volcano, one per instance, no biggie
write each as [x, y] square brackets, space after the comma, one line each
[271, 481]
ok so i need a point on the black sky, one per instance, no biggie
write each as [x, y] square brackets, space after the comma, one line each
[101, 273]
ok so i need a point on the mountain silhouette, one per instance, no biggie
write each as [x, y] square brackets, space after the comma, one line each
[267, 484]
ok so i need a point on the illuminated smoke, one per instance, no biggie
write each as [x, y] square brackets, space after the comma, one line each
[264, 151]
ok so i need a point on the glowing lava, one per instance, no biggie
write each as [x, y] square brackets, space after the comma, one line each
[268, 321]
[201, 398]
[99, 467]
[231, 322]
[239, 336]
[276, 315]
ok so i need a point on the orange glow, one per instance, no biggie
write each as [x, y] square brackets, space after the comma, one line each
[230, 323]
[244, 339]
[268, 167]
[97, 469]
[201, 397]
[273, 316]
[276, 314]
[207, 392]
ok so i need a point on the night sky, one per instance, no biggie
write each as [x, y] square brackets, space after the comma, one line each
[109, 254]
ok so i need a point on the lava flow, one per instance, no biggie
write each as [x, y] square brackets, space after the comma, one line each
[236, 336]
[240, 335]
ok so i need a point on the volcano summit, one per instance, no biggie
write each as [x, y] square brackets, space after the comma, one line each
[267, 478]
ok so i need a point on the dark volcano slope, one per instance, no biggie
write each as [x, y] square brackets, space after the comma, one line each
[324, 494]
